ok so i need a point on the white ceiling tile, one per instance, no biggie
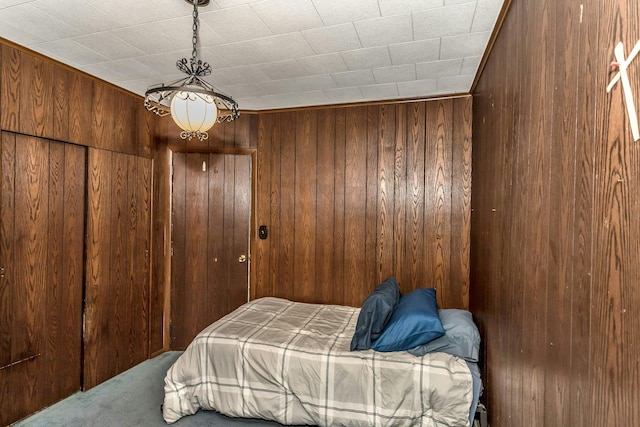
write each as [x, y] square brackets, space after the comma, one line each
[345, 94]
[236, 23]
[137, 86]
[396, 73]
[303, 99]
[9, 3]
[103, 71]
[164, 63]
[413, 52]
[256, 103]
[486, 14]
[209, 55]
[435, 69]
[283, 69]
[278, 87]
[318, 82]
[464, 45]
[286, 16]
[128, 12]
[224, 4]
[453, 2]
[353, 78]
[108, 46]
[455, 84]
[417, 88]
[78, 14]
[242, 53]
[470, 65]
[151, 38]
[393, 7]
[284, 46]
[267, 53]
[244, 90]
[237, 75]
[18, 35]
[37, 23]
[132, 69]
[384, 91]
[176, 9]
[335, 12]
[383, 31]
[323, 64]
[332, 39]
[67, 50]
[446, 21]
[372, 57]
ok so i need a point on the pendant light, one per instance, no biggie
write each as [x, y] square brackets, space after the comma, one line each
[194, 104]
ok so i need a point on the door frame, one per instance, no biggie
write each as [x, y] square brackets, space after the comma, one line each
[253, 152]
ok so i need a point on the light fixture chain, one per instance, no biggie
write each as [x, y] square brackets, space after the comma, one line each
[194, 40]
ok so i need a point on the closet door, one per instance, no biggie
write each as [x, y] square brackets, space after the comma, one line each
[42, 207]
[117, 290]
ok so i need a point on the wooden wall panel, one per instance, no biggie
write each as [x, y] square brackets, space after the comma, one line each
[117, 270]
[41, 97]
[10, 89]
[369, 211]
[43, 203]
[554, 226]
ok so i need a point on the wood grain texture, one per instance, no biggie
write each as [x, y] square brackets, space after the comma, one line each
[42, 249]
[7, 245]
[36, 96]
[556, 291]
[373, 218]
[117, 264]
[80, 111]
[304, 263]
[61, 95]
[211, 194]
[40, 97]
[10, 89]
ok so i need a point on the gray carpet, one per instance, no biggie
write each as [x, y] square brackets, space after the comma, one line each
[132, 398]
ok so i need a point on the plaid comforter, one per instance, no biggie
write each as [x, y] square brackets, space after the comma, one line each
[290, 362]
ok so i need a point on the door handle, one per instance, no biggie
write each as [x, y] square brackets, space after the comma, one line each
[242, 258]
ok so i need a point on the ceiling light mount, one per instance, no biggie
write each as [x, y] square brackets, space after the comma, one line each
[194, 104]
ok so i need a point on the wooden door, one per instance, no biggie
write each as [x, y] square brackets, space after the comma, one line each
[211, 214]
[117, 276]
[41, 259]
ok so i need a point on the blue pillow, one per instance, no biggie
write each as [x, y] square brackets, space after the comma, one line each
[375, 313]
[461, 337]
[414, 322]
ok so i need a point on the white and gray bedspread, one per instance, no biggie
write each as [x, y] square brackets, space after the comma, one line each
[290, 362]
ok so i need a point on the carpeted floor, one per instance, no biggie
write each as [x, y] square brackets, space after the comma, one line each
[132, 398]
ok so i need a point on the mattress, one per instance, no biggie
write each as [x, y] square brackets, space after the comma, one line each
[290, 362]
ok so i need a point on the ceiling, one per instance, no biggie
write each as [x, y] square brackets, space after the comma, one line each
[267, 54]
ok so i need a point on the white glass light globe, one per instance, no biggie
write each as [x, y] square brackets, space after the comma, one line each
[194, 112]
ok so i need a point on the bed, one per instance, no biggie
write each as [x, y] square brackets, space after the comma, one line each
[291, 362]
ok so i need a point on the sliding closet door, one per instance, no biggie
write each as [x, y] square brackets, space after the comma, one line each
[210, 235]
[117, 275]
[41, 251]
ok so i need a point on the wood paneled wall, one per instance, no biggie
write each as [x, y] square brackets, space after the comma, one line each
[42, 98]
[41, 255]
[116, 328]
[353, 195]
[52, 111]
[556, 220]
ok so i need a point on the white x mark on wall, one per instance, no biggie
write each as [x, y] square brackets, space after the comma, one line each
[622, 74]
